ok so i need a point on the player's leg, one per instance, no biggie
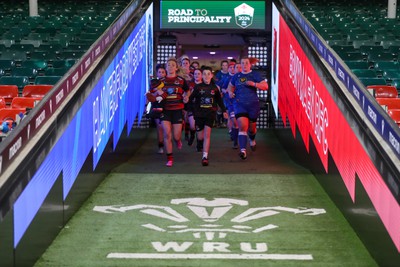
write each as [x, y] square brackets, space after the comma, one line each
[243, 123]
[192, 129]
[176, 121]
[167, 128]
[199, 133]
[206, 144]
[160, 136]
[254, 112]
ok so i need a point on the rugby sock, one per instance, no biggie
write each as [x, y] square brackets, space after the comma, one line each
[187, 128]
[170, 157]
[235, 133]
[160, 144]
[252, 136]
[199, 145]
[205, 155]
[242, 140]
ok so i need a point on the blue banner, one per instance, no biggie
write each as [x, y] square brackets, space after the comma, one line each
[115, 99]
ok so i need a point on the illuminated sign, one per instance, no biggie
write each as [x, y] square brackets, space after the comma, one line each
[213, 14]
[115, 101]
[309, 107]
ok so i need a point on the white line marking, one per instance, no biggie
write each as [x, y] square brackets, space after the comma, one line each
[210, 256]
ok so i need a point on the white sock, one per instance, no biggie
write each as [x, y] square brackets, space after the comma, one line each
[205, 155]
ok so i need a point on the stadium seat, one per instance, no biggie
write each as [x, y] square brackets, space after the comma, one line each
[358, 43]
[55, 71]
[31, 73]
[38, 64]
[343, 48]
[8, 92]
[19, 81]
[382, 65]
[387, 43]
[369, 49]
[395, 83]
[49, 80]
[364, 73]
[383, 91]
[33, 90]
[395, 115]
[374, 57]
[390, 74]
[351, 37]
[24, 102]
[63, 63]
[394, 49]
[352, 56]
[373, 81]
[13, 55]
[357, 64]
[43, 55]
[27, 48]
[389, 103]
[11, 113]
[50, 48]
[71, 54]
[2, 103]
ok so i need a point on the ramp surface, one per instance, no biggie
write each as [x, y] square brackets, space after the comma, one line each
[264, 211]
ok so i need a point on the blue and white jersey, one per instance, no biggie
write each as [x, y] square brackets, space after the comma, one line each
[225, 83]
[220, 77]
[243, 92]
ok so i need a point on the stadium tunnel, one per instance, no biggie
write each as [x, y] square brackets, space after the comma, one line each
[51, 162]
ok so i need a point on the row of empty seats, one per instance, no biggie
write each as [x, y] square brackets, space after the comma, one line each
[387, 97]
[35, 52]
[366, 41]
[15, 106]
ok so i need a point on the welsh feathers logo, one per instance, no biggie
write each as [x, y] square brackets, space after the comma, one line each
[244, 15]
[209, 220]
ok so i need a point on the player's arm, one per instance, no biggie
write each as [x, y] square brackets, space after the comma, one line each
[186, 92]
[231, 90]
[263, 85]
[220, 102]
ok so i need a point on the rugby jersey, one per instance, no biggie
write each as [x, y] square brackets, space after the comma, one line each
[174, 87]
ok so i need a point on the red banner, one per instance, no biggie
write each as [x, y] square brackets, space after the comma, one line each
[305, 101]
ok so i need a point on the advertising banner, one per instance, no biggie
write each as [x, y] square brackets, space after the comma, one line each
[115, 100]
[308, 105]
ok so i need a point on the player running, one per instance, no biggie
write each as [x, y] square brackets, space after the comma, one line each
[232, 122]
[205, 99]
[176, 93]
[243, 89]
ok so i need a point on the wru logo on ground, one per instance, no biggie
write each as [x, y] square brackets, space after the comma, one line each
[209, 225]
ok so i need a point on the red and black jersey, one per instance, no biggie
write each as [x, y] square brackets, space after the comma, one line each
[205, 100]
[174, 87]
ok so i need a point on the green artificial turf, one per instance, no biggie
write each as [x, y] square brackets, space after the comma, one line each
[145, 215]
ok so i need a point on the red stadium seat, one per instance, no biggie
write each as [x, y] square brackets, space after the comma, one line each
[36, 90]
[2, 103]
[383, 91]
[24, 102]
[10, 113]
[395, 115]
[389, 103]
[8, 92]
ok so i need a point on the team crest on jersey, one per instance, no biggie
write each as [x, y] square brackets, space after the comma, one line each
[243, 79]
[212, 92]
[170, 90]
